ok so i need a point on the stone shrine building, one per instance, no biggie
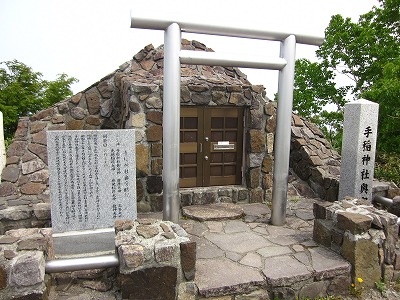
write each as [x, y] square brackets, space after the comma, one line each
[227, 136]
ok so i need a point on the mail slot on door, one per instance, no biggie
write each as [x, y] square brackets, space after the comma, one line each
[223, 145]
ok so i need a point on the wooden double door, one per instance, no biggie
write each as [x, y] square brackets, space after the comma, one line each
[211, 146]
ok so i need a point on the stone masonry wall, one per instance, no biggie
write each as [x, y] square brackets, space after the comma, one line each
[22, 264]
[24, 191]
[131, 97]
[156, 258]
[314, 160]
[364, 235]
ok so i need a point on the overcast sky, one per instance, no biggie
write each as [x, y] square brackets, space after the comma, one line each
[90, 39]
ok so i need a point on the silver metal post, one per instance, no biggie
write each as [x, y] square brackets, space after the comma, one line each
[171, 126]
[283, 132]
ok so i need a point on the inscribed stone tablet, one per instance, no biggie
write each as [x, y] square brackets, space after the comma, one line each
[358, 149]
[92, 177]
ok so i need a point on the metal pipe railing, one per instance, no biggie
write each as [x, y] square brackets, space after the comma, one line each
[382, 200]
[82, 263]
[387, 202]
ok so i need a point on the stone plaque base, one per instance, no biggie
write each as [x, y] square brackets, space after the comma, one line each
[84, 242]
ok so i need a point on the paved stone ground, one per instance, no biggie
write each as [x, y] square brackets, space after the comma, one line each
[250, 257]
[240, 256]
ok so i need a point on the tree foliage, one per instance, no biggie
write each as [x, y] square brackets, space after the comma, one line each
[318, 99]
[23, 92]
[368, 53]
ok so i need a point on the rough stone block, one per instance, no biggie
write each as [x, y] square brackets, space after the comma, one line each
[34, 242]
[152, 283]
[364, 257]
[353, 222]
[32, 188]
[319, 209]
[337, 237]
[322, 232]
[164, 251]
[16, 213]
[313, 290]
[42, 211]
[132, 256]
[188, 259]
[121, 225]
[7, 189]
[10, 173]
[397, 260]
[155, 117]
[204, 197]
[156, 150]
[3, 276]
[27, 269]
[257, 141]
[142, 160]
[154, 184]
[256, 195]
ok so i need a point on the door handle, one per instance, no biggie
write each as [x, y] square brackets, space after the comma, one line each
[201, 147]
[206, 157]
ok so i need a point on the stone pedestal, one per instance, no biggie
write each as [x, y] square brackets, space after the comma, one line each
[365, 236]
[156, 259]
[358, 149]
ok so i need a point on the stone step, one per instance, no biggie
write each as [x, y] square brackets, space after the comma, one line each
[304, 274]
[213, 212]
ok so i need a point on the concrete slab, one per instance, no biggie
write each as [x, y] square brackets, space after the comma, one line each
[217, 277]
[213, 212]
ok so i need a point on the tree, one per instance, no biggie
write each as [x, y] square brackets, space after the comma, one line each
[23, 92]
[386, 91]
[367, 52]
[314, 90]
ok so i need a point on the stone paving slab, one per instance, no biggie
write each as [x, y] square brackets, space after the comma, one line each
[240, 242]
[285, 271]
[222, 276]
[236, 256]
[216, 211]
[328, 264]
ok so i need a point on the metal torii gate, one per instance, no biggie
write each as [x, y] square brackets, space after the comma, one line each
[174, 56]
